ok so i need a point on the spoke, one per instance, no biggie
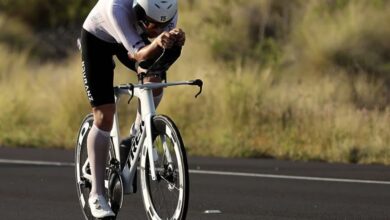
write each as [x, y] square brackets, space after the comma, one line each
[160, 200]
[162, 195]
[165, 192]
[174, 185]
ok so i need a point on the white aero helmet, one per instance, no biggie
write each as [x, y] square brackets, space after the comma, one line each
[161, 11]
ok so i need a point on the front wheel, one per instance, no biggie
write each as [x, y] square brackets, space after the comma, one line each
[167, 197]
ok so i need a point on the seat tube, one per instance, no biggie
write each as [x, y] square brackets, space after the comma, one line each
[115, 133]
[115, 136]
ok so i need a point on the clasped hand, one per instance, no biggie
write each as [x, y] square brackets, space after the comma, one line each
[175, 37]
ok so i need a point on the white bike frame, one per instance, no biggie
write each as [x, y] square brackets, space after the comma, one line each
[145, 142]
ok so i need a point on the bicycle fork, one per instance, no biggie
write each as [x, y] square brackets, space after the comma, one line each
[148, 112]
[144, 141]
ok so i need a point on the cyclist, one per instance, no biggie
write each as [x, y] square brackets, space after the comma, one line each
[133, 30]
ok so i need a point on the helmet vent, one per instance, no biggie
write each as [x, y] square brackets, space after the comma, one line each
[169, 6]
[157, 5]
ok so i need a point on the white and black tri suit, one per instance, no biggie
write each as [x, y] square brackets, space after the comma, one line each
[111, 28]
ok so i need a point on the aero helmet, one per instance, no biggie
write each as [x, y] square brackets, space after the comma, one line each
[161, 11]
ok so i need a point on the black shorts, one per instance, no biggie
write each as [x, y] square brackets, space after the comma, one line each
[98, 66]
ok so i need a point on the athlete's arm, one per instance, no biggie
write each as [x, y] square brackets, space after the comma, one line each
[164, 40]
[118, 17]
[169, 36]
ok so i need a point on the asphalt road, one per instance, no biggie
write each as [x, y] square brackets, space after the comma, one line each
[39, 184]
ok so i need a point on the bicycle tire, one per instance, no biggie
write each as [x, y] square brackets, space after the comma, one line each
[83, 185]
[168, 196]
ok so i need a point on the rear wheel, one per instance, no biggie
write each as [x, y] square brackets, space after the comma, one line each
[166, 197]
[114, 192]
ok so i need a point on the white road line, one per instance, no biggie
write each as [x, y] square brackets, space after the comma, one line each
[213, 172]
[34, 162]
[259, 175]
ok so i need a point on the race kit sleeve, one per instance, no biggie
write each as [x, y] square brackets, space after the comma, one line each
[114, 21]
[119, 18]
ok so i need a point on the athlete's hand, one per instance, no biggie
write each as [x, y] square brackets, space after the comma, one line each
[165, 40]
[180, 36]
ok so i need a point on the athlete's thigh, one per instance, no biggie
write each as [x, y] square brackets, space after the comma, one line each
[98, 70]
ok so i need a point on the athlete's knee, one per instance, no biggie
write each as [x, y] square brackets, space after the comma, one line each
[156, 92]
[157, 98]
[172, 55]
[104, 116]
[174, 52]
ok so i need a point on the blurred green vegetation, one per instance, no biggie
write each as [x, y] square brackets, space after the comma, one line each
[43, 14]
[43, 28]
[301, 79]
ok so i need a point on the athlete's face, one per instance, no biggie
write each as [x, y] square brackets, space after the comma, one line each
[153, 29]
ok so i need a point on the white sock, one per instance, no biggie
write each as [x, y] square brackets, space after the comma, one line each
[138, 119]
[97, 144]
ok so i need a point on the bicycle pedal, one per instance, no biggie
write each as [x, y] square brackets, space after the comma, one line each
[84, 183]
[115, 192]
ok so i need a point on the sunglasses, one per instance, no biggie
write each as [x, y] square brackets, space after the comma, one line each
[153, 24]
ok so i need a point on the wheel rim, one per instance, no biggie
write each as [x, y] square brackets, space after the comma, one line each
[83, 185]
[164, 197]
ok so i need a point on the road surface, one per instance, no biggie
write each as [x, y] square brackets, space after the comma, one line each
[39, 184]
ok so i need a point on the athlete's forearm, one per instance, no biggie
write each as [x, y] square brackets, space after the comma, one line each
[164, 40]
[149, 51]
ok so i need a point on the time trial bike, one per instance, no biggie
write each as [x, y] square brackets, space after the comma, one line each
[157, 151]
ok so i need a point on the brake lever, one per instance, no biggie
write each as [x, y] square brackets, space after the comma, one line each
[132, 92]
[198, 83]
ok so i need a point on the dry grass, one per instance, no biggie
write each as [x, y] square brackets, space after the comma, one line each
[318, 90]
[40, 104]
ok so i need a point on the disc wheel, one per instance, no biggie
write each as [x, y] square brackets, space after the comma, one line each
[114, 185]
